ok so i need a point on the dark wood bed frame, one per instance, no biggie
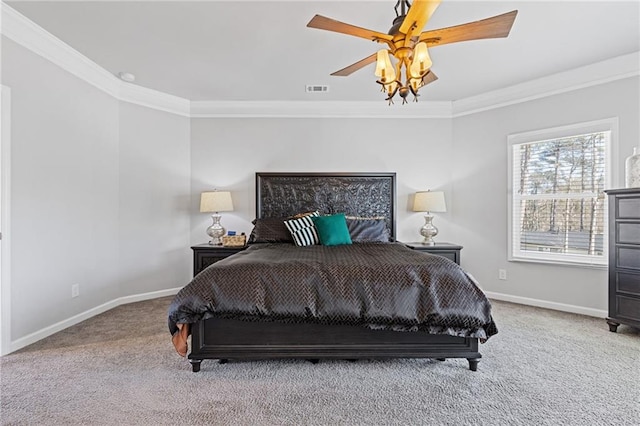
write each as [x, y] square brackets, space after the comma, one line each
[357, 194]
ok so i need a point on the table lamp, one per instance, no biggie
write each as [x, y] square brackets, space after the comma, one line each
[429, 201]
[216, 202]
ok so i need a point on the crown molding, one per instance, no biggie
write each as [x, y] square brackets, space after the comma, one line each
[28, 34]
[23, 31]
[617, 68]
[154, 99]
[317, 109]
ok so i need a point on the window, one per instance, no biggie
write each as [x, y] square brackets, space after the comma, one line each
[557, 203]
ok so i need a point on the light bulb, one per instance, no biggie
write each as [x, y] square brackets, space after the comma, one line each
[391, 88]
[416, 83]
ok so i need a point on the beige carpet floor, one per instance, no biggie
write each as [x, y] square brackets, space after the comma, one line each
[119, 368]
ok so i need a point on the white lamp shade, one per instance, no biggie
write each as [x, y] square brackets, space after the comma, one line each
[216, 201]
[429, 201]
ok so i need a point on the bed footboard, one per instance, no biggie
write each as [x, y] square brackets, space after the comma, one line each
[238, 340]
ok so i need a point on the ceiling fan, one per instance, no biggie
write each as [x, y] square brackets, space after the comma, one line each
[408, 44]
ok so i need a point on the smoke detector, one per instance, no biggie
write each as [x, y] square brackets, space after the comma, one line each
[127, 76]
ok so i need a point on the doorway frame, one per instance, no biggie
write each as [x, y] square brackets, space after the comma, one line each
[5, 197]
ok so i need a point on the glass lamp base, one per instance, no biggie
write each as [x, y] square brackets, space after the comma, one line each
[216, 231]
[428, 231]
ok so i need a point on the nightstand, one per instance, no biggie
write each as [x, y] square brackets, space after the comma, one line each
[207, 254]
[448, 250]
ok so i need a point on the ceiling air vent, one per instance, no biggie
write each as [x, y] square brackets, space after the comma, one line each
[316, 89]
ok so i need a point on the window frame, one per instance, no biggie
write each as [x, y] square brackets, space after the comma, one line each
[611, 179]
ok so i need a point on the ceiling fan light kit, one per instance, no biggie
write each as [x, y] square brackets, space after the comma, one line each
[410, 46]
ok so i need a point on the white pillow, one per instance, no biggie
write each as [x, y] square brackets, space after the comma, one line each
[303, 230]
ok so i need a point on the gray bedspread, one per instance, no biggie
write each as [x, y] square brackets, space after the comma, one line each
[378, 285]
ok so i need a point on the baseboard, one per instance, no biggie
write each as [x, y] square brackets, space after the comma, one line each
[48, 331]
[548, 305]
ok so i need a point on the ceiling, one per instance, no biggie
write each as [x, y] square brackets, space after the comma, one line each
[263, 51]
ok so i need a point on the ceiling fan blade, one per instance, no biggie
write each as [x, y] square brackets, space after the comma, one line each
[495, 27]
[417, 17]
[323, 23]
[429, 78]
[355, 67]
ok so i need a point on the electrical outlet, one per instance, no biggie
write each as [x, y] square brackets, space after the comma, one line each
[502, 274]
[75, 290]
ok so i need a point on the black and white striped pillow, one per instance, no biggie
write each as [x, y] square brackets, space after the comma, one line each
[303, 230]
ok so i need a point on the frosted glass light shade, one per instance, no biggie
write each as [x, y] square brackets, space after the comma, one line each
[384, 68]
[421, 60]
[429, 201]
[216, 201]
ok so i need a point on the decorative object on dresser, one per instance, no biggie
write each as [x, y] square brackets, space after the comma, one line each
[448, 250]
[207, 254]
[632, 170]
[624, 257]
[429, 201]
[216, 202]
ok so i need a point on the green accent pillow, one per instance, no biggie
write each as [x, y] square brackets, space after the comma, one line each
[332, 229]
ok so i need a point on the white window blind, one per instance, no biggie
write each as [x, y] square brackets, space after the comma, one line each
[557, 203]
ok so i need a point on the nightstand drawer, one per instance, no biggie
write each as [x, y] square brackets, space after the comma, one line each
[451, 255]
[202, 260]
[206, 254]
[448, 250]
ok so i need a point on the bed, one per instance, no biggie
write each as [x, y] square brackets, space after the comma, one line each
[278, 300]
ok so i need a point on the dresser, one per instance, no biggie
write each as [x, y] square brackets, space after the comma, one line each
[624, 257]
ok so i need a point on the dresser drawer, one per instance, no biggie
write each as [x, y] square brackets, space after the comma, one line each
[628, 232]
[628, 257]
[627, 308]
[628, 283]
[628, 207]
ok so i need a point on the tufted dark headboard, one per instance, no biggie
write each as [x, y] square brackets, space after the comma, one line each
[355, 194]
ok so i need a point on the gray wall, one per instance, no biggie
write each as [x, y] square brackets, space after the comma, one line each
[64, 188]
[154, 200]
[226, 153]
[99, 194]
[479, 183]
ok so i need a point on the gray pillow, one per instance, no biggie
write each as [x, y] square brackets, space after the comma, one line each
[270, 230]
[364, 230]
